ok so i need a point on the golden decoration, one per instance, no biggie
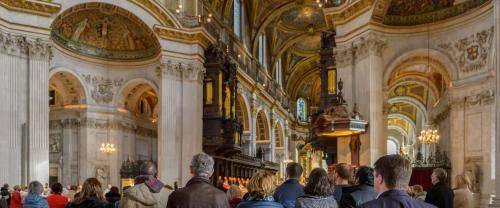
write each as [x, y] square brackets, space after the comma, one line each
[198, 35]
[43, 8]
[157, 11]
[348, 13]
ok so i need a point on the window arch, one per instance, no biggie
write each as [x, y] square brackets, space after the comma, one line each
[301, 109]
[262, 50]
[277, 74]
[237, 17]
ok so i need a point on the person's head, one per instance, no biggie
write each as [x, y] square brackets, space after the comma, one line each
[234, 192]
[462, 181]
[6, 186]
[35, 188]
[148, 168]
[202, 165]
[391, 172]
[293, 170]
[261, 185]
[341, 173]
[17, 188]
[438, 175]
[364, 175]
[114, 189]
[56, 188]
[91, 188]
[73, 188]
[318, 183]
[417, 189]
[46, 185]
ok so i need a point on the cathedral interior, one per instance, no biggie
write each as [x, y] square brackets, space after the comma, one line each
[96, 87]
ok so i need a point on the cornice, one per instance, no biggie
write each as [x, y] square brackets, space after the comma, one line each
[36, 7]
[197, 36]
[338, 17]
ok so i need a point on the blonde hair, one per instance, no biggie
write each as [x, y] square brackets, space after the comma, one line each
[234, 192]
[417, 189]
[91, 188]
[462, 181]
[261, 185]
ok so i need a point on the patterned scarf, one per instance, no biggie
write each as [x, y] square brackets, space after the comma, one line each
[151, 182]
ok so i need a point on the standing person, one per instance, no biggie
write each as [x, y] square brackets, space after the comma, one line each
[463, 195]
[113, 195]
[234, 196]
[260, 192]
[391, 177]
[71, 192]
[56, 199]
[35, 198]
[318, 191]
[341, 175]
[148, 191]
[46, 190]
[5, 200]
[362, 192]
[291, 189]
[90, 196]
[16, 200]
[440, 194]
[199, 192]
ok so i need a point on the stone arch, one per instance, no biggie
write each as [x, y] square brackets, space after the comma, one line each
[279, 138]
[406, 118]
[129, 85]
[243, 112]
[67, 86]
[406, 99]
[262, 126]
[130, 96]
[448, 67]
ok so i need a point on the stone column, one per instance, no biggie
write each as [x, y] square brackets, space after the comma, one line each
[496, 201]
[69, 126]
[169, 135]
[369, 75]
[192, 116]
[253, 125]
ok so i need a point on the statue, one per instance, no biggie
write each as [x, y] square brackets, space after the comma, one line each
[473, 171]
[54, 145]
[101, 175]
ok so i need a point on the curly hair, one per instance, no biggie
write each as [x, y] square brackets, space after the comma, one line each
[318, 183]
[261, 185]
[91, 188]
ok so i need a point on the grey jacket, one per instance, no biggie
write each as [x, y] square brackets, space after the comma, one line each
[308, 201]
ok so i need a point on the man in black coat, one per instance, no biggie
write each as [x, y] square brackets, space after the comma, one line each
[361, 193]
[440, 194]
[392, 175]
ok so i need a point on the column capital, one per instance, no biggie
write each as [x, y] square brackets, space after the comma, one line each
[194, 72]
[18, 45]
[371, 43]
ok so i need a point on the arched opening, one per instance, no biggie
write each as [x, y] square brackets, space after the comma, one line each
[392, 146]
[67, 101]
[243, 118]
[263, 139]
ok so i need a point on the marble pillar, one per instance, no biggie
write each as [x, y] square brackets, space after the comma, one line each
[496, 199]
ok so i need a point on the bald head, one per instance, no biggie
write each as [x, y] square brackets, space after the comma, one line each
[148, 168]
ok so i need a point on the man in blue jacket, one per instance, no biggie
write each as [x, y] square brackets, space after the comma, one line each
[291, 189]
[392, 175]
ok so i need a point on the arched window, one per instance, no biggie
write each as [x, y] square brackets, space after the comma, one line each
[237, 18]
[277, 74]
[262, 50]
[301, 109]
[392, 146]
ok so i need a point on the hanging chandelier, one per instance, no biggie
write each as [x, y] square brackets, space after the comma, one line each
[107, 148]
[429, 136]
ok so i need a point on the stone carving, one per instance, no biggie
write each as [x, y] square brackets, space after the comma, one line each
[55, 145]
[103, 89]
[371, 43]
[101, 174]
[19, 46]
[485, 97]
[470, 53]
[473, 171]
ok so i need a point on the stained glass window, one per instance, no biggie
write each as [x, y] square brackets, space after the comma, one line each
[301, 109]
[237, 18]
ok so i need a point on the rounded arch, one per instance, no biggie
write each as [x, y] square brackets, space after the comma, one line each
[410, 100]
[139, 97]
[392, 146]
[118, 99]
[243, 111]
[442, 63]
[67, 86]
[436, 95]
[406, 118]
[263, 130]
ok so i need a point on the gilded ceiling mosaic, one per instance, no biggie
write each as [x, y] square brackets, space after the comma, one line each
[404, 108]
[413, 90]
[303, 17]
[399, 123]
[104, 31]
[414, 12]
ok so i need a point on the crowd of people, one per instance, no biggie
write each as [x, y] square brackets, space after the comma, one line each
[384, 185]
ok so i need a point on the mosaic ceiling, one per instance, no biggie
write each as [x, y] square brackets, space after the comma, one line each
[415, 12]
[403, 124]
[302, 18]
[104, 31]
[404, 108]
[413, 90]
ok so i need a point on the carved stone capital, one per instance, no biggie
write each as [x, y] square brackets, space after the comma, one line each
[344, 56]
[38, 49]
[18, 45]
[370, 44]
[171, 68]
[194, 72]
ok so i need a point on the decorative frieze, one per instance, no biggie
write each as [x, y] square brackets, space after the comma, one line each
[486, 97]
[103, 89]
[470, 53]
[43, 8]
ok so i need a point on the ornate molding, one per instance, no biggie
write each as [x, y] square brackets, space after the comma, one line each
[194, 72]
[483, 98]
[36, 7]
[337, 17]
[194, 36]
[157, 11]
[344, 56]
[18, 45]
[470, 53]
[171, 68]
[103, 89]
[370, 44]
